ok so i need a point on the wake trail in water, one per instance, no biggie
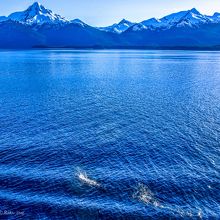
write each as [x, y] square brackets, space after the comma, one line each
[146, 196]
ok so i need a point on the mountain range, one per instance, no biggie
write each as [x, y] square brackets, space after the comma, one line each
[38, 26]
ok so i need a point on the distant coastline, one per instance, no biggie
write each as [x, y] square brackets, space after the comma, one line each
[215, 48]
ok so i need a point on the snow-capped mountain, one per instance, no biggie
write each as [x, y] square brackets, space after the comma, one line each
[150, 24]
[153, 22]
[185, 18]
[78, 22]
[190, 18]
[118, 28]
[36, 14]
[40, 27]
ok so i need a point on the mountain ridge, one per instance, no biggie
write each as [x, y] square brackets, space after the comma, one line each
[39, 26]
[38, 14]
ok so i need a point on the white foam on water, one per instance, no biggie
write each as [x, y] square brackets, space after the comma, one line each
[145, 195]
[86, 180]
[200, 214]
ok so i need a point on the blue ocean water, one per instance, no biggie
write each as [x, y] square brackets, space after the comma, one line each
[109, 134]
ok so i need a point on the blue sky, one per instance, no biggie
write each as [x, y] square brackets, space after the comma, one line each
[100, 12]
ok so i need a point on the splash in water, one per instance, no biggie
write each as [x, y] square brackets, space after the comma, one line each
[86, 180]
[145, 195]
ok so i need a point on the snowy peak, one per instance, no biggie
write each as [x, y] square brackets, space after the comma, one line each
[139, 27]
[176, 18]
[125, 22]
[78, 22]
[183, 18]
[190, 18]
[123, 25]
[193, 18]
[118, 28]
[37, 7]
[36, 14]
[151, 23]
[194, 11]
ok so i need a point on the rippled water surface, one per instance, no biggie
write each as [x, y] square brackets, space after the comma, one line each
[109, 134]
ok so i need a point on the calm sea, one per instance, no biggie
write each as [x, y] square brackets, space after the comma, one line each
[109, 134]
